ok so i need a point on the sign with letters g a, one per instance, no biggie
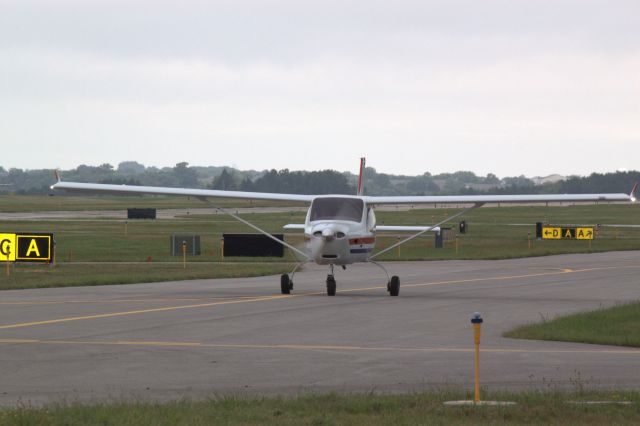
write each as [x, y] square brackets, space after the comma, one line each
[26, 247]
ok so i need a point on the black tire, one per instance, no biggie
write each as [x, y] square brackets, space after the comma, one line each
[331, 286]
[285, 284]
[394, 286]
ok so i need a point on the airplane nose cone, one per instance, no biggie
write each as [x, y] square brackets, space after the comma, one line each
[328, 234]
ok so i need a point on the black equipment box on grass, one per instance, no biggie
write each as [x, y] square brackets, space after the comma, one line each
[252, 245]
[141, 213]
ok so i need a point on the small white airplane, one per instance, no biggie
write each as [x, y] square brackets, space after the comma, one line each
[341, 229]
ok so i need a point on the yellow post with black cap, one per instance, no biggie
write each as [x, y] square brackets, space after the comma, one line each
[476, 321]
[184, 255]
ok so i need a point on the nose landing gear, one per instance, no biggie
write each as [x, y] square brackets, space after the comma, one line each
[331, 283]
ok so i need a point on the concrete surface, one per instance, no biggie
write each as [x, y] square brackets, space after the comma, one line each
[203, 338]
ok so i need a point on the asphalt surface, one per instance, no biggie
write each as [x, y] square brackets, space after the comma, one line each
[206, 338]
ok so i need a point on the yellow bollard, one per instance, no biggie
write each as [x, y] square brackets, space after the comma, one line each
[476, 320]
[184, 255]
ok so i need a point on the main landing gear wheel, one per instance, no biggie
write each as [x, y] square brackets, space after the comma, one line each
[331, 285]
[394, 286]
[286, 285]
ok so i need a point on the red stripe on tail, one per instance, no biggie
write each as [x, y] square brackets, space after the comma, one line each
[360, 188]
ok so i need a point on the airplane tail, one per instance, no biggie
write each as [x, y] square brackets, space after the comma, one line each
[360, 182]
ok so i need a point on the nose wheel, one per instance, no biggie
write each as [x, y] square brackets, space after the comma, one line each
[331, 285]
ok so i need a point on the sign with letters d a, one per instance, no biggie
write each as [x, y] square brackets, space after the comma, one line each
[26, 247]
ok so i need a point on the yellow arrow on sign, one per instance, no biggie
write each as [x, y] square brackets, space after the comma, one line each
[549, 233]
[584, 233]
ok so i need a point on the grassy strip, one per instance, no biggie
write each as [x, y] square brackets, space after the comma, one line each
[494, 233]
[490, 234]
[78, 274]
[335, 409]
[619, 326]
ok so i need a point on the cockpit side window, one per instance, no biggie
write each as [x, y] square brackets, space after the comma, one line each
[371, 219]
[337, 209]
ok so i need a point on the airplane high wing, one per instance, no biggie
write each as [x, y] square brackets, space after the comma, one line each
[341, 229]
[96, 188]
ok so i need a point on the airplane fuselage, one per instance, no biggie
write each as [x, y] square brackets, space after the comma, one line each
[339, 230]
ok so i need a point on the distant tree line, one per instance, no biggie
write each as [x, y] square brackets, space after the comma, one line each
[20, 181]
[285, 181]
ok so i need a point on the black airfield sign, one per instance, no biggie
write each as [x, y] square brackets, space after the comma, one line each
[26, 247]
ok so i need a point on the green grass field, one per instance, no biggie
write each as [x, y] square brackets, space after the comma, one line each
[619, 326]
[425, 408]
[493, 233]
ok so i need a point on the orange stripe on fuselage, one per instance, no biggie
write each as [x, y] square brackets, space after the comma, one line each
[357, 241]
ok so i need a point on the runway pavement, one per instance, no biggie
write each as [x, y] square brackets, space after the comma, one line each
[205, 338]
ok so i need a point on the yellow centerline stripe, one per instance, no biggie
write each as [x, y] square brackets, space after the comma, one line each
[140, 311]
[163, 344]
[277, 297]
[108, 301]
[473, 280]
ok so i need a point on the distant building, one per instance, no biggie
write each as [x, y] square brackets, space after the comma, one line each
[482, 187]
[548, 179]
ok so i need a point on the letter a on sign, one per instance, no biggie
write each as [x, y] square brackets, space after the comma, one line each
[33, 249]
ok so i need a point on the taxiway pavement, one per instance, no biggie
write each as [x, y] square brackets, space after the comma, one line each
[205, 338]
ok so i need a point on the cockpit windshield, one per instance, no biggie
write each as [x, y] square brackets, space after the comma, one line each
[337, 209]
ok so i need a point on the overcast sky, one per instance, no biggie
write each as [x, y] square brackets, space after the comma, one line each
[505, 86]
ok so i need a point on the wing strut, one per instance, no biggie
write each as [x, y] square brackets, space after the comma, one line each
[251, 225]
[406, 240]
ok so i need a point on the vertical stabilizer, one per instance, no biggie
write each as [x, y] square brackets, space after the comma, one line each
[360, 178]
